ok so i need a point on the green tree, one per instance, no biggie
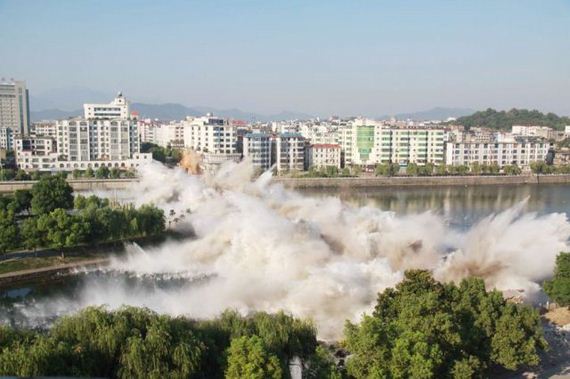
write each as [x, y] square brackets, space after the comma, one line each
[62, 230]
[426, 329]
[558, 288]
[441, 169]
[412, 169]
[22, 200]
[51, 192]
[115, 173]
[89, 173]
[31, 236]
[76, 174]
[8, 231]
[102, 172]
[512, 170]
[22, 175]
[249, 358]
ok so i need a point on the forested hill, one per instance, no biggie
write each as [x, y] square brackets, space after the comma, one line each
[493, 119]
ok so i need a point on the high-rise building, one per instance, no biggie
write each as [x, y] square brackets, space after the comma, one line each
[14, 106]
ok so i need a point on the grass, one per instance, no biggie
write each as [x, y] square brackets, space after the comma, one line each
[19, 264]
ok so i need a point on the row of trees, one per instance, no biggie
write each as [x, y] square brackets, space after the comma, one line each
[543, 168]
[50, 216]
[419, 329]
[103, 172]
[137, 343]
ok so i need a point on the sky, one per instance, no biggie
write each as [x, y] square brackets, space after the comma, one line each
[319, 57]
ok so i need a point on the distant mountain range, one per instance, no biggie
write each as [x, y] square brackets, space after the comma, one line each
[171, 111]
[437, 113]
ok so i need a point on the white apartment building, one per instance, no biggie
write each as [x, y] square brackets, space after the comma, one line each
[290, 152]
[169, 135]
[117, 109]
[6, 138]
[323, 155]
[44, 128]
[257, 147]
[14, 106]
[97, 139]
[532, 131]
[147, 130]
[521, 153]
[210, 134]
[567, 130]
[366, 142]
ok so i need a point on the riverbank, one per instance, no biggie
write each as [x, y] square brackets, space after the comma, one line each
[419, 181]
[47, 273]
[77, 184]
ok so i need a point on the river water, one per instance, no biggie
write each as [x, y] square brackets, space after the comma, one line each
[460, 207]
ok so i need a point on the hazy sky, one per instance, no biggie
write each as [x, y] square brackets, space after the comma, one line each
[319, 57]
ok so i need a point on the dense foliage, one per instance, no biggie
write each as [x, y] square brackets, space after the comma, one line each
[426, 329]
[429, 169]
[504, 120]
[162, 154]
[49, 216]
[137, 343]
[558, 288]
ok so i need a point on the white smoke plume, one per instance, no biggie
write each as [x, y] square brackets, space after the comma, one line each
[259, 246]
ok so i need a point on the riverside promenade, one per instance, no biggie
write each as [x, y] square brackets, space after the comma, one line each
[419, 181]
[77, 184]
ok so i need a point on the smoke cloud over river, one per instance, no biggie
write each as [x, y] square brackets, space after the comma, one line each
[258, 246]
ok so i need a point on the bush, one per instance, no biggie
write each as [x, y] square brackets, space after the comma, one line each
[558, 288]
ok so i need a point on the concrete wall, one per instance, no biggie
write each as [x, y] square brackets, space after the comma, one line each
[419, 181]
[77, 184]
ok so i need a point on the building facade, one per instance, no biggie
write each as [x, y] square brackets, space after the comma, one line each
[117, 109]
[210, 134]
[290, 152]
[14, 106]
[323, 155]
[521, 153]
[6, 138]
[257, 148]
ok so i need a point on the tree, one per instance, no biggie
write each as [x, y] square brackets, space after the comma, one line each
[8, 231]
[22, 175]
[22, 201]
[76, 174]
[441, 169]
[412, 169]
[249, 358]
[62, 230]
[115, 173]
[387, 169]
[31, 236]
[102, 172]
[51, 192]
[423, 328]
[558, 288]
[512, 170]
[89, 173]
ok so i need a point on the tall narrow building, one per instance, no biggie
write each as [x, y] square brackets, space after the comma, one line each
[14, 106]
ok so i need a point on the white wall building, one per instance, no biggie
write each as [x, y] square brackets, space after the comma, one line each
[257, 147]
[97, 139]
[14, 106]
[6, 138]
[170, 135]
[323, 155]
[501, 153]
[118, 108]
[290, 152]
[210, 134]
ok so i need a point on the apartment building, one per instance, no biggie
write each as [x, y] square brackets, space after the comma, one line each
[323, 155]
[44, 128]
[210, 134]
[290, 152]
[14, 106]
[521, 153]
[6, 138]
[257, 148]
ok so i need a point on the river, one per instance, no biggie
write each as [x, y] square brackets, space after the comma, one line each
[459, 207]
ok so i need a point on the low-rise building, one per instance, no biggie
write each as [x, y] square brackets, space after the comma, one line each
[521, 153]
[323, 155]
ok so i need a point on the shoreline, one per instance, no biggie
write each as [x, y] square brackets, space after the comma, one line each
[419, 181]
[48, 273]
